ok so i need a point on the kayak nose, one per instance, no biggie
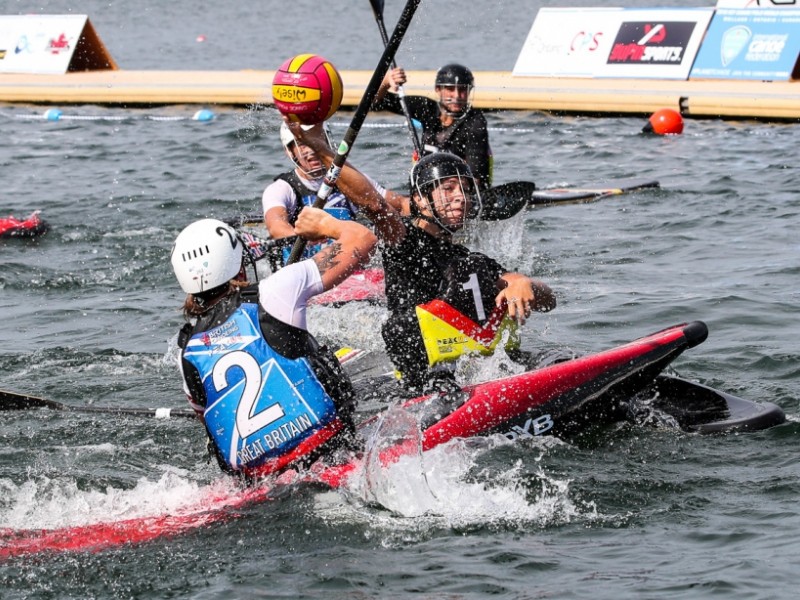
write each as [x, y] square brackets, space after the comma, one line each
[696, 333]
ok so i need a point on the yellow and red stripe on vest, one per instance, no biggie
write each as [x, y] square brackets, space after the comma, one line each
[448, 333]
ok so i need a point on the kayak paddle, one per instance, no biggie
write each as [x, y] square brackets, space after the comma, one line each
[15, 401]
[377, 10]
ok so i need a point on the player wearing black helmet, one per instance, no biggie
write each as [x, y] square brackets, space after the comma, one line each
[460, 83]
[449, 124]
[444, 190]
[426, 273]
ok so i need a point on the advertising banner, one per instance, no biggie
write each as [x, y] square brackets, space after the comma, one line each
[568, 42]
[758, 3]
[762, 44]
[613, 42]
[50, 44]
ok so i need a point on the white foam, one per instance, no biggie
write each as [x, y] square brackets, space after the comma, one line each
[447, 489]
[47, 503]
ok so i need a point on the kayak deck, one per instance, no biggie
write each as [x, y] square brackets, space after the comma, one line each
[568, 195]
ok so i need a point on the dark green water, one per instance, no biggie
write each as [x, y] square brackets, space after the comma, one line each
[88, 313]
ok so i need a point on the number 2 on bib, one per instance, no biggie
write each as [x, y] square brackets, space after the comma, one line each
[247, 423]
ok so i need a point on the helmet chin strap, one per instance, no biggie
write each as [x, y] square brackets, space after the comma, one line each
[455, 115]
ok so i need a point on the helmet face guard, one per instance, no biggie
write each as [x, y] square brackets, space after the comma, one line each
[442, 184]
[459, 84]
[293, 148]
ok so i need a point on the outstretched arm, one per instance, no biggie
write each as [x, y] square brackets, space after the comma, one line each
[351, 248]
[356, 187]
[524, 295]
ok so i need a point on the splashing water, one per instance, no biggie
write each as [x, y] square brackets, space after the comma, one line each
[396, 442]
[47, 503]
[444, 488]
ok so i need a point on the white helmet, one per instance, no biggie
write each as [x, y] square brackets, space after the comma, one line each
[206, 255]
[287, 139]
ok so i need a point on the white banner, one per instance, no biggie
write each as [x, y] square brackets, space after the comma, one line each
[568, 42]
[38, 43]
[613, 42]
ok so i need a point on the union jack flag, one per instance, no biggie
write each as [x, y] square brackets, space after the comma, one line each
[256, 247]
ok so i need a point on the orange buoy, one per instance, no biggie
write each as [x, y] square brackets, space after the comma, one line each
[664, 121]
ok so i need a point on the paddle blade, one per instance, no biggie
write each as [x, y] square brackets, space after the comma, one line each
[505, 201]
[14, 401]
[377, 8]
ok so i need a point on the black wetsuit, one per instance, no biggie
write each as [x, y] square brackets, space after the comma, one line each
[419, 269]
[467, 137]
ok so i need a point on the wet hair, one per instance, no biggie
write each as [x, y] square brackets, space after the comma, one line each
[197, 304]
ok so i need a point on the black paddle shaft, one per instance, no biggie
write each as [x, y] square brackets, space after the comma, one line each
[377, 10]
[15, 401]
[360, 115]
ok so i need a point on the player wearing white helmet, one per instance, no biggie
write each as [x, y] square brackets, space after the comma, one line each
[268, 394]
[283, 199]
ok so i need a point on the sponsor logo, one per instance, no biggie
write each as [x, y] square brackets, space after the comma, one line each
[531, 428]
[766, 47]
[733, 42]
[651, 43]
[22, 45]
[452, 340]
[290, 93]
[58, 45]
[222, 337]
[585, 41]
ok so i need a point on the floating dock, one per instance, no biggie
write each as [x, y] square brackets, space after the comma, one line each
[494, 90]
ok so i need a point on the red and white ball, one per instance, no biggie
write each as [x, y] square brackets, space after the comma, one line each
[307, 88]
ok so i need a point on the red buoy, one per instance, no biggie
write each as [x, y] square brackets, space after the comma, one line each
[664, 121]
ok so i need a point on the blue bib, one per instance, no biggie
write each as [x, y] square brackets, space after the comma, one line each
[337, 206]
[259, 404]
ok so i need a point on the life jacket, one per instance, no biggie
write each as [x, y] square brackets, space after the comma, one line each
[336, 205]
[266, 404]
[464, 318]
[451, 139]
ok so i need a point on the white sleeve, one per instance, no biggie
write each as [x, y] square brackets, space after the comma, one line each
[284, 294]
[279, 193]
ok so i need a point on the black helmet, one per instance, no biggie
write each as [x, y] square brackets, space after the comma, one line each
[428, 173]
[454, 74]
[434, 167]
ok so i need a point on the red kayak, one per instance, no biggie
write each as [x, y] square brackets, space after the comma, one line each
[562, 399]
[365, 286]
[32, 226]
